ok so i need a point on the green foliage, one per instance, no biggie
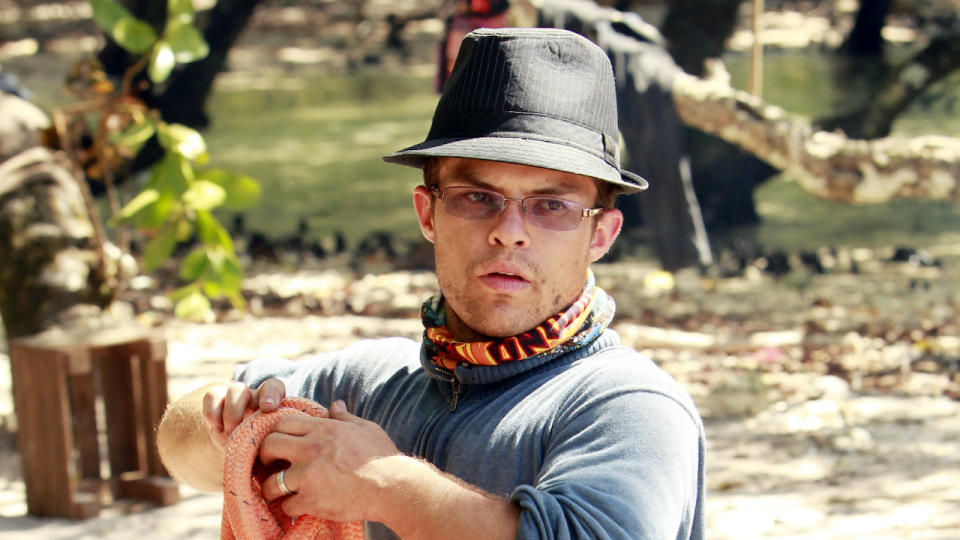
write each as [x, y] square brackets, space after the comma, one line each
[176, 203]
[241, 191]
[180, 41]
[162, 62]
[187, 43]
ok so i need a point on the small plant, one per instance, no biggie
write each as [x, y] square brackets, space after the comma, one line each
[176, 203]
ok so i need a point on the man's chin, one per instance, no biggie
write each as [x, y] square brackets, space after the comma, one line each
[502, 328]
[500, 318]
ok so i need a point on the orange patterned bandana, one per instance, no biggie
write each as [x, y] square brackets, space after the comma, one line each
[576, 326]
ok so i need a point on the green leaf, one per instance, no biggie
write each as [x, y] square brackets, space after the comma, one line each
[173, 174]
[184, 229]
[179, 11]
[106, 13]
[161, 62]
[194, 306]
[183, 140]
[203, 195]
[211, 232]
[242, 191]
[194, 264]
[143, 199]
[132, 138]
[159, 248]
[186, 42]
[236, 300]
[216, 256]
[212, 289]
[184, 292]
[156, 214]
[232, 274]
[133, 35]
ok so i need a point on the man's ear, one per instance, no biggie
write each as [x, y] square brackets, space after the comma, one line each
[608, 227]
[423, 204]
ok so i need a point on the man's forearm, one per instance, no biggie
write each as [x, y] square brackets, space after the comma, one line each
[417, 501]
[185, 446]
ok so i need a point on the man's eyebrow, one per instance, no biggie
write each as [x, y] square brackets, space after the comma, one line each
[555, 188]
[470, 178]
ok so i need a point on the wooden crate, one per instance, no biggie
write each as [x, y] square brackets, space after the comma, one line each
[57, 382]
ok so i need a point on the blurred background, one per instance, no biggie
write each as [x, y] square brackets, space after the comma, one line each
[818, 334]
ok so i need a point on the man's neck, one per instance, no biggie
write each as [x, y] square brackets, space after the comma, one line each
[460, 331]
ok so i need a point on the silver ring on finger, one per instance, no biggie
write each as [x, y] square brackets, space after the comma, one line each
[283, 485]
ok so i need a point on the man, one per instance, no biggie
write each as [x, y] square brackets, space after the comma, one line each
[520, 415]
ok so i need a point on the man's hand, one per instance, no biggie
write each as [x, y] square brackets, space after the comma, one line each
[334, 468]
[226, 406]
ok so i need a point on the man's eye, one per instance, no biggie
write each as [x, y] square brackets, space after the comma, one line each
[548, 205]
[477, 197]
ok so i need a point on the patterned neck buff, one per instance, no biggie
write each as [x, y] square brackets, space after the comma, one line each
[576, 326]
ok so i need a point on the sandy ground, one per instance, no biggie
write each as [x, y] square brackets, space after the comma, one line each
[831, 464]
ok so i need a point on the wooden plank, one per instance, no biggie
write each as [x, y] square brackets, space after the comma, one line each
[45, 438]
[154, 371]
[55, 382]
[159, 490]
[83, 405]
[120, 385]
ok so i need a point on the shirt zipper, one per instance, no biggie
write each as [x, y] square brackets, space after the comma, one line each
[455, 386]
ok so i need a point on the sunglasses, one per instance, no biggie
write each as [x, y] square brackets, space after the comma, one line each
[551, 213]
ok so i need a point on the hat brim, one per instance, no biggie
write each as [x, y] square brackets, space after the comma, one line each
[536, 153]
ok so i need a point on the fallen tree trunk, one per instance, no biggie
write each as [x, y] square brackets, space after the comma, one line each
[828, 165]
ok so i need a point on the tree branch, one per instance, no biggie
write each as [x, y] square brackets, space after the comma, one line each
[827, 164]
[938, 59]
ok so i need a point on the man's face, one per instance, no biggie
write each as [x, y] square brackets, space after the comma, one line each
[502, 276]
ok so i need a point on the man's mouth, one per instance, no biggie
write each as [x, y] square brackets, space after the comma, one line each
[504, 281]
[506, 275]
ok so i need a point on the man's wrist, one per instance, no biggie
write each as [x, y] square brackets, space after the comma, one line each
[416, 500]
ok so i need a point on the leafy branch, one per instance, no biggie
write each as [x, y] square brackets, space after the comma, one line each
[176, 204]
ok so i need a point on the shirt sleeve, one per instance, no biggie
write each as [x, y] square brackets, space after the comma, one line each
[627, 464]
[350, 374]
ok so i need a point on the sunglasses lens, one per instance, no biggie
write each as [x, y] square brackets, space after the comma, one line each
[545, 212]
[469, 203]
[553, 213]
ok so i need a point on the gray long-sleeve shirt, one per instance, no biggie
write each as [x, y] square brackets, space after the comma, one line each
[596, 443]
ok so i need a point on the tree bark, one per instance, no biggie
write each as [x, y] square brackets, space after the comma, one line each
[654, 139]
[723, 175]
[696, 30]
[866, 39]
[826, 164]
[938, 59]
[184, 99]
[51, 271]
[656, 145]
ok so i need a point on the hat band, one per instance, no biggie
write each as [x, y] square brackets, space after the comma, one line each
[528, 126]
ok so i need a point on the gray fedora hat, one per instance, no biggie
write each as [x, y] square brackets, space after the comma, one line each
[533, 96]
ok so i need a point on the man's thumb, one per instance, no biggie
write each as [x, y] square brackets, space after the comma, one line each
[338, 411]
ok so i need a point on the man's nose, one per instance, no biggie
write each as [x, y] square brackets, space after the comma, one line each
[510, 227]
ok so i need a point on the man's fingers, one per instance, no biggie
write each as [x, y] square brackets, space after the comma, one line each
[270, 488]
[276, 446]
[297, 424]
[213, 408]
[296, 505]
[338, 411]
[236, 404]
[270, 394]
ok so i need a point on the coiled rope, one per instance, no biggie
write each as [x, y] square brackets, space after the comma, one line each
[246, 515]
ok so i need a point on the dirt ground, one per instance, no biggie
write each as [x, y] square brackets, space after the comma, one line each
[818, 426]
